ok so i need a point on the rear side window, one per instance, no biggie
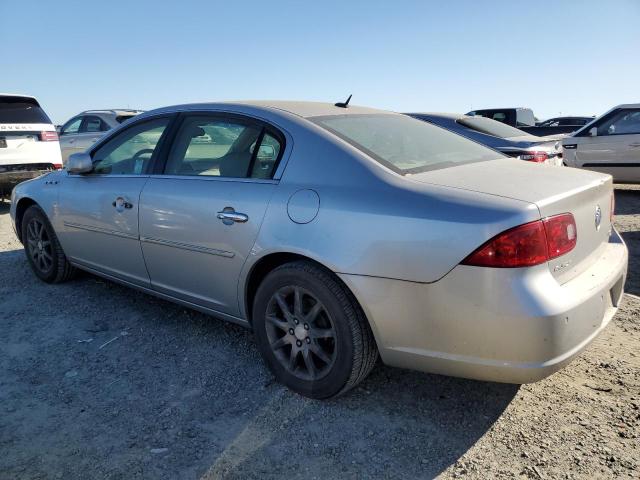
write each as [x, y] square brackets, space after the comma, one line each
[223, 147]
[404, 144]
[93, 124]
[21, 112]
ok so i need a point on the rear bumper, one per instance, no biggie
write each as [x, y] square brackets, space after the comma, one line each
[8, 180]
[504, 325]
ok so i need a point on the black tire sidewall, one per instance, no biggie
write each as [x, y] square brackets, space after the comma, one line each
[37, 213]
[335, 380]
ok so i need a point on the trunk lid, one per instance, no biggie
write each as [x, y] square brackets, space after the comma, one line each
[554, 190]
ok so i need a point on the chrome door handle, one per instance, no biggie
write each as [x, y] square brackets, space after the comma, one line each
[120, 204]
[230, 216]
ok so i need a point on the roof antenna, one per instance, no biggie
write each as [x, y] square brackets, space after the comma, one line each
[344, 104]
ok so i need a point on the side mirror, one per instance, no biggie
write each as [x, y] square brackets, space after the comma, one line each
[79, 163]
[593, 132]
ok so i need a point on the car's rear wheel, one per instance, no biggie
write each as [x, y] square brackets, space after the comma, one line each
[43, 250]
[311, 331]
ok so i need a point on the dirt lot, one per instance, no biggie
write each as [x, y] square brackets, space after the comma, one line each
[98, 381]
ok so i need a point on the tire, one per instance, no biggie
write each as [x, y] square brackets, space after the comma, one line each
[311, 332]
[42, 248]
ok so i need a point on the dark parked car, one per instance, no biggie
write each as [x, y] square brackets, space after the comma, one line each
[558, 125]
[499, 136]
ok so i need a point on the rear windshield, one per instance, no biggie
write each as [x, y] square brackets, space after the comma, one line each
[491, 127]
[404, 144]
[21, 112]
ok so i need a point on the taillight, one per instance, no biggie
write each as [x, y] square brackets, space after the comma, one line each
[527, 245]
[47, 136]
[57, 166]
[561, 234]
[537, 157]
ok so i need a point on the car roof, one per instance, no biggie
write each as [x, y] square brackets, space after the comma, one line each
[450, 116]
[299, 108]
[29, 98]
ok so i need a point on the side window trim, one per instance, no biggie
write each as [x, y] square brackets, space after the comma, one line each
[160, 164]
[158, 151]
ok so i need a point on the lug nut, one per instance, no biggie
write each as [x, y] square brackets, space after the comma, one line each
[296, 321]
[298, 343]
[291, 332]
[308, 340]
[306, 326]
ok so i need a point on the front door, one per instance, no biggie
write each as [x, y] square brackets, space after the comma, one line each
[200, 219]
[98, 212]
[616, 147]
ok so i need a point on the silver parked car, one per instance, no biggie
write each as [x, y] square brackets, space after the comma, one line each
[86, 128]
[338, 234]
[609, 144]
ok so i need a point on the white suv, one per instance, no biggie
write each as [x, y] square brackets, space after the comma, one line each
[29, 143]
[609, 144]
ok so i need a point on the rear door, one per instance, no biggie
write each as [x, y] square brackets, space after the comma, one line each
[616, 147]
[200, 217]
[97, 215]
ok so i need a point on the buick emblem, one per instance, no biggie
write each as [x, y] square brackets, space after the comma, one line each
[598, 217]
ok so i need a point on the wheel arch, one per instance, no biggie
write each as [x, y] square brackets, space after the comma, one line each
[271, 261]
[23, 204]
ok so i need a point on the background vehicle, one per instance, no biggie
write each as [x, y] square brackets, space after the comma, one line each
[337, 233]
[557, 125]
[499, 136]
[516, 117]
[87, 127]
[609, 144]
[28, 141]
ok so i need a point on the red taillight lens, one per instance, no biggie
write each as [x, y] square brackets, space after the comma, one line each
[47, 136]
[527, 245]
[57, 166]
[537, 157]
[561, 234]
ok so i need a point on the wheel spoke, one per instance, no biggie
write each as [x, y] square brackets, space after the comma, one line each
[293, 357]
[297, 302]
[279, 343]
[321, 333]
[40, 228]
[32, 242]
[277, 322]
[46, 255]
[313, 313]
[45, 243]
[318, 352]
[284, 307]
[32, 231]
[308, 361]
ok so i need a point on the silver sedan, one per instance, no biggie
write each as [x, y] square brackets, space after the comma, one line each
[339, 234]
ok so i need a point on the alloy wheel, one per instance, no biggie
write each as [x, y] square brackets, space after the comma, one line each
[301, 333]
[39, 245]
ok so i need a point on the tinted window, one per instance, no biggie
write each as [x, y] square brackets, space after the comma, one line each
[129, 152]
[21, 112]
[404, 144]
[622, 122]
[93, 124]
[491, 127]
[219, 147]
[72, 126]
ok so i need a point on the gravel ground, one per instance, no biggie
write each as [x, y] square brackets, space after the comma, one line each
[98, 381]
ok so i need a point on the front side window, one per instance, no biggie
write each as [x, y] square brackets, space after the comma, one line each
[72, 126]
[404, 144]
[221, 147]
[130, 152]
[622, 122]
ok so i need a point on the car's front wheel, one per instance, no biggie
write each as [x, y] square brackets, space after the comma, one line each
[43, 250]
[311, 331]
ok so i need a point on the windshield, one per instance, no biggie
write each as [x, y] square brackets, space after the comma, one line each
[491, 127]
[404, 144]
